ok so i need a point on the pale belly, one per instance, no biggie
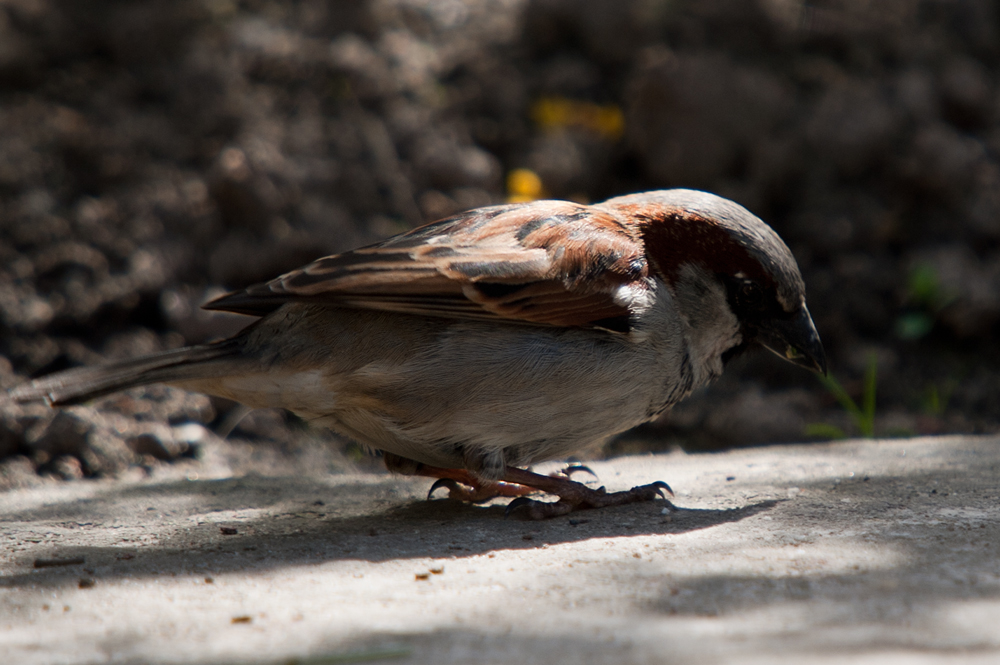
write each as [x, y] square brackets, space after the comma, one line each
[444, 393]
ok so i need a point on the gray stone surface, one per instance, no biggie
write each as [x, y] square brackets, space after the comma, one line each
[861, 551]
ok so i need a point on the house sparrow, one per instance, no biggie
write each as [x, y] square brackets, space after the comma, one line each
[505, 336]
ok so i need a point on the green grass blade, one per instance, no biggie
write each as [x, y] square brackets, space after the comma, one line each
[824, 431]
[841, 395]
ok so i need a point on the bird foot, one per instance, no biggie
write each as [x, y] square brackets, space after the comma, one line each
[518, 483]
[576, 496]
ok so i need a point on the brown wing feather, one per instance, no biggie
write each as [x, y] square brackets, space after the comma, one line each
[544, 263]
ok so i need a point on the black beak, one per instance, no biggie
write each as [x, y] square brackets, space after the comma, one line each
[795, 340]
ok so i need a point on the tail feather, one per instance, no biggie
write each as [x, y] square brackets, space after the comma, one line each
[83, 384]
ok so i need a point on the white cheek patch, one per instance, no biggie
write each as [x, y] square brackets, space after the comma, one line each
[636, 297]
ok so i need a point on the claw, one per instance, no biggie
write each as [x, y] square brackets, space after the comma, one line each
[662, 487]
[519, 502]
[578, 468]
[442, 482]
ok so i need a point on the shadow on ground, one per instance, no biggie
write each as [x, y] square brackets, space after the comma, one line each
[305, 521]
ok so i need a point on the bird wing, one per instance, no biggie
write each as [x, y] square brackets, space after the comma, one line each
[544, 263]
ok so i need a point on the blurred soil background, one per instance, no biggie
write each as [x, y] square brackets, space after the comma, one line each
[154, 154]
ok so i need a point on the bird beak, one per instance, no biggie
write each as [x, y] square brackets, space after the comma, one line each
[795, 340]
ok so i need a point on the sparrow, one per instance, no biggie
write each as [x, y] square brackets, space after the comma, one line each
[472, 347]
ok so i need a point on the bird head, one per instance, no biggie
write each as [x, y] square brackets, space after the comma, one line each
[713, 249]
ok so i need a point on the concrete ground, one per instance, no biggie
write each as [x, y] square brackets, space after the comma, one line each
[861, 551]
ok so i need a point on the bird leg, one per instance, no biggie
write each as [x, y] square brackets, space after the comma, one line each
[463, 486]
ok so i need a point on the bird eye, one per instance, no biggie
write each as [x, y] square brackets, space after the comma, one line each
[751, 294]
